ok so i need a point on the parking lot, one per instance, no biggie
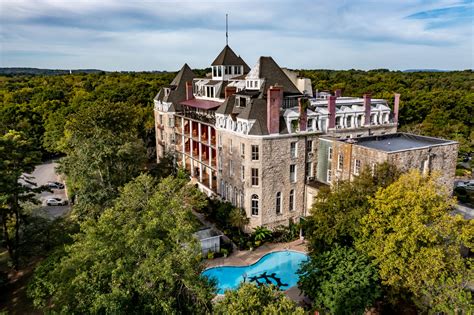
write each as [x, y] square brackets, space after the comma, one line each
[41, 176]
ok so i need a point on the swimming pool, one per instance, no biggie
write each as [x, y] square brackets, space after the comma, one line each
[278, 268]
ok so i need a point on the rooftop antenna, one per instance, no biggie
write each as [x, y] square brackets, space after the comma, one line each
[226, 29]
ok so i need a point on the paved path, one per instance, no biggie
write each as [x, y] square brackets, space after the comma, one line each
[466, 212]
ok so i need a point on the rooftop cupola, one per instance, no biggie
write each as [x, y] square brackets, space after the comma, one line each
[228, 65]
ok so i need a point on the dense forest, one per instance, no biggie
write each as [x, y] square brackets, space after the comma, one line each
[120, 248]
[432, 103]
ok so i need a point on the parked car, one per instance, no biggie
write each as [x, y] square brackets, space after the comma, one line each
[55, 185]
[56, 202]
[467, 184]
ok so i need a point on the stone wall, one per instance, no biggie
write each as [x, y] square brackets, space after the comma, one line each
[439, 159]
[274, 174]
[164, 133]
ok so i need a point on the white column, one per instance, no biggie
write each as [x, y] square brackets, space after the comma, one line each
[199, 137]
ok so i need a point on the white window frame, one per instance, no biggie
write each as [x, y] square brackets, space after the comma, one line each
[293, 178]
[340, 161]
[357, 165]
[278, 203]
[255, 152]
[294, 150]
[254, 203]
[255, 178]
[291, 201]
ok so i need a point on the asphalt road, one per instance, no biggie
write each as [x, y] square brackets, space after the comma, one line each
[41, 176]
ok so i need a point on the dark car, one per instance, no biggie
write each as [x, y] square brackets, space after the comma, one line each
[55, 185]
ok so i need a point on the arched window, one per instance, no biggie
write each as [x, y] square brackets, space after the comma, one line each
[278, 203]
[231, 195]
[292, 200]
[254, 204]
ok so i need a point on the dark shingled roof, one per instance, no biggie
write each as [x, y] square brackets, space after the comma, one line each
[228, 57]
[274, 75]
[227, 106]
[177, 94]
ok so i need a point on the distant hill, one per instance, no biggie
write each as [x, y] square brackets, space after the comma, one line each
[33, 71]
[425, 70]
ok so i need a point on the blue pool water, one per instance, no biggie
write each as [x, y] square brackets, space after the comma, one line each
[277, 265]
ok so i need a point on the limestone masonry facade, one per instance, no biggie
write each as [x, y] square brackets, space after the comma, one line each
[261, 139]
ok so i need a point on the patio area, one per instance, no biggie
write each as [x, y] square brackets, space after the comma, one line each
[247, 257]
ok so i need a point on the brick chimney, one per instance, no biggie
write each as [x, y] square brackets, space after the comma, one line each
[229, 91]
[274, 102]
[189, 91]
[367, 108]
[396, 105]
[338, 93]
[303, 110]
[332, 111]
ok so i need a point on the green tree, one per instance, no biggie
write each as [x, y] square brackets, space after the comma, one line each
[17, 158]
[340, 281]
[252, 299]
[103, 153]
[139, 257]
[238, 219]
[416, 243]
[334, 217]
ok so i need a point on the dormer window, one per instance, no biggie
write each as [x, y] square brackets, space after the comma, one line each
[209, 91]
[241, 102]
[167, 91]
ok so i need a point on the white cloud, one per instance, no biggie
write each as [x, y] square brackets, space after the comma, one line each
[155, 35]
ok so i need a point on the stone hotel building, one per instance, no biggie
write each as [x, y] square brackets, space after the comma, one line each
[261, 139]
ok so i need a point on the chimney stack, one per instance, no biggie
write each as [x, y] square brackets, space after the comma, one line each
[396, 105]
[229, 91]
[332, 111]
[189, 91]
[274, 102]
[303, 109]
[367, 108]
[338, 93]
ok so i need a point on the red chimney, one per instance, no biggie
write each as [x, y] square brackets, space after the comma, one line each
[302, 106]
[367, 108]
[189, 91]
[229, 91]
[274, 102]
[332, 111]
[338, 93]
[396, 105]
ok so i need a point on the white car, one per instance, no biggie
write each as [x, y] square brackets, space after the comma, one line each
[56, 202]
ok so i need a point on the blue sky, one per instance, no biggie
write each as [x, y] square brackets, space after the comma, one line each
[162, 35]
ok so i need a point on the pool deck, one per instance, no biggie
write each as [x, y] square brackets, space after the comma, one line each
[247, 257]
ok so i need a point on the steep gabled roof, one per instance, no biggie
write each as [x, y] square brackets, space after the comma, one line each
[274, 75]
[228, 57]
[227, 106]
[178, 87]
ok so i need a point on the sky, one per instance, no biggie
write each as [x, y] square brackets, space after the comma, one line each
[146, 35]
